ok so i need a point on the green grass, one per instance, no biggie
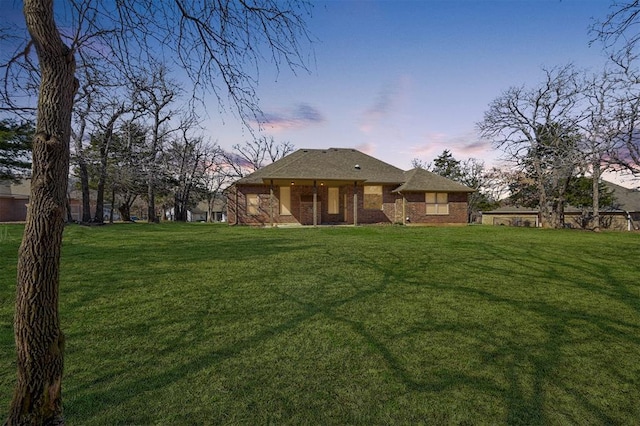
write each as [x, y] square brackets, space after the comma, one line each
[205, 324]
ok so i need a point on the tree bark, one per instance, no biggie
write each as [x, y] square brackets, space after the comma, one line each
[39, 340]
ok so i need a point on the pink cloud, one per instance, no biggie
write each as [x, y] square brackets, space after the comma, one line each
[367, 148]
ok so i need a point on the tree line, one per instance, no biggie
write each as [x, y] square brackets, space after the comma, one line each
[557, 139]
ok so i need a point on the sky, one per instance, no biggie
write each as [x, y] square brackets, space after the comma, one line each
[405, 79]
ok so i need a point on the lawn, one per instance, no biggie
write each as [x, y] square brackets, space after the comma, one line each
[209, 324]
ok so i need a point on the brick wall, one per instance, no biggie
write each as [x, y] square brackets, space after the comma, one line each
[13, 209]
[416, 210]
[301, 207]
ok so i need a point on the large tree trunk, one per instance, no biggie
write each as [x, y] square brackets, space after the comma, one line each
[39, 341]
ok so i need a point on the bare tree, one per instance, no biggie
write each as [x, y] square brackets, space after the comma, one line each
[213, 41]
[536, 128]
[620, 34]
[601, 131]
[158, 94]
[619, 30]
[187, 165]
[257, 153]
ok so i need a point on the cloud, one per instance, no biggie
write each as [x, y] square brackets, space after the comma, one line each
[461, 146]
[385, 103]
[367, 148]
[475, 148]
[299, 116]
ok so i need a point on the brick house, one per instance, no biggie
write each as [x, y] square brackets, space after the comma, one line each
[344, 186]
[14, 198]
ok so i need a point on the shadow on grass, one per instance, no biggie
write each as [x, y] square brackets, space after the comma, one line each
[530, 376]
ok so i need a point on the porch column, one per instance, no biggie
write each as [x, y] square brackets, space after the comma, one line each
[315, 204]
[404, 210]
[355, 203]
[271, 204]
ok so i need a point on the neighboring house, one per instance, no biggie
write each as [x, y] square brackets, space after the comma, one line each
[344, 186]
[200, 213]
[624, 216]
[14, 198]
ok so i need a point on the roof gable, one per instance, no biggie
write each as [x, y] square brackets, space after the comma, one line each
[420, 180]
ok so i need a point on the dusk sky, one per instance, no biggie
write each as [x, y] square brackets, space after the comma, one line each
[407, 79]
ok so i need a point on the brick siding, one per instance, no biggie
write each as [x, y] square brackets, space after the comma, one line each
[301, 206]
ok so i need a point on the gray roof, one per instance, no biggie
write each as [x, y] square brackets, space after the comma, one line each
[624, 198]
[416, 180]
[327, 164]
[345, 164]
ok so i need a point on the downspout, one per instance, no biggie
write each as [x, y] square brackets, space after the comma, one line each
[315, 204]
[355, 203]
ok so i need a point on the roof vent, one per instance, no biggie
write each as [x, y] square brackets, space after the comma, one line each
[357, 167]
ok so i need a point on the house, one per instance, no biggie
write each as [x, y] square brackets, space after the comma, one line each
[625, 215]
[344, 186]
[14, 198]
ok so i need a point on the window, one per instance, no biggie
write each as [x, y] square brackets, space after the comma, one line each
[373, 197]
[437, 202]
[334, 201]
[253, 202]
[285, 200]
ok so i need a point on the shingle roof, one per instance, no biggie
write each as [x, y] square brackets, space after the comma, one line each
[419, 180]
[328, 164]
[344, 164]
[625, 198]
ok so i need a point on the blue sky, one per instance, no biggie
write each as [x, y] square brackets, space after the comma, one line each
[407, 79]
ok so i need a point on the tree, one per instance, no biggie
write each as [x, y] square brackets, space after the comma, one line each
[536, 129]
[214, 42]
[15, 149]
[601, 132]
[158, 94]
[618, 30]
[581, 194]
[37, 397]
[127, 164]
[186, 158]
[256, 153]
[447, 166]
[470, 172]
